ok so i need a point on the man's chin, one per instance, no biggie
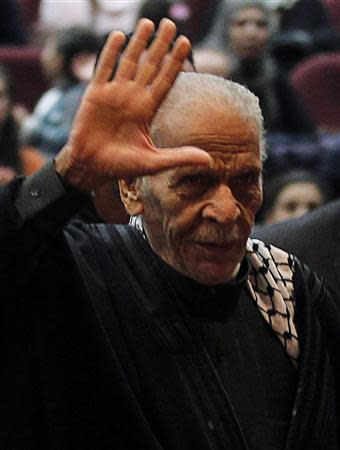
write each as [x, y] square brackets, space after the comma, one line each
[212, 265]
[212, 274]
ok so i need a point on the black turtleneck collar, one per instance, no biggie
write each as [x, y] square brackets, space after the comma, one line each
[199, 300]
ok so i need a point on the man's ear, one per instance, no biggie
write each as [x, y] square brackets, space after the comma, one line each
[131, 196]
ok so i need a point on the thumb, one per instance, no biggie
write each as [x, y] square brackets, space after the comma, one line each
[168, 158]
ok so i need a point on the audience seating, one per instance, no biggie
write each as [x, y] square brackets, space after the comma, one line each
[317, 82]
[28, 80]
[30, 13]
[333, 9]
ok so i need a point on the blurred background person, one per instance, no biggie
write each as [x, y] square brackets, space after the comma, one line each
[12, 26]
[208, 60]
[248, 32]
[101, 16]
[193, 18]
[118, 14]
[292, 194]
[305, 28]
[297, 34]
[313, 237]
[264, 41]
[67, 59]
[10, 162]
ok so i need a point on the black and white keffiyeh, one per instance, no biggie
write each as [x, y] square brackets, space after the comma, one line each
[270, 284]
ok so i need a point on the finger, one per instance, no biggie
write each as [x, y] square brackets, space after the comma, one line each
[154, 56]
[129, 60]
[168, 73]
[108, 57]
[168, 158]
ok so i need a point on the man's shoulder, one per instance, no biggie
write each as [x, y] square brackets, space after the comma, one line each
[101, 237]
[96, 230]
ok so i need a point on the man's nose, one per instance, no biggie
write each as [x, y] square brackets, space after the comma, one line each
[221, 205]
[250, 29]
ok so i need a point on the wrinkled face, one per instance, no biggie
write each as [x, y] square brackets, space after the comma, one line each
[295, 200]
[198, 219]
[249, 32]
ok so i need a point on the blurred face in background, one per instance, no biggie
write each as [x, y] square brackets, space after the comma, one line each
[294, 200]
[4, 100]
[248, 32]
[51, 61]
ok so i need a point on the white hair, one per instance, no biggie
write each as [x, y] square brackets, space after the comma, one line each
[192, 90]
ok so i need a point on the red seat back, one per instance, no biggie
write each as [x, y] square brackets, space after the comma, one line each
[28, 80]
[317, 82]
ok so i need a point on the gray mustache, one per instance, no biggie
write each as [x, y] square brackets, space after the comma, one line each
[215, 236]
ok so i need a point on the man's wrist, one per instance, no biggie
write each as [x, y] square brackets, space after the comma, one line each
[73, 178]
[43, 189]
[62, 168]
[62, 176]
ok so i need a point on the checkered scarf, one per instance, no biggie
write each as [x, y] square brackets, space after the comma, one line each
[270, 283]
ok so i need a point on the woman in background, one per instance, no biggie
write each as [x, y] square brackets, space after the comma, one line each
[292, 194]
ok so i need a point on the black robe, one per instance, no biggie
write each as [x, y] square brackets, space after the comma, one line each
[74, 338]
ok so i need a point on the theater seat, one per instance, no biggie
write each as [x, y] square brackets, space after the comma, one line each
[317, 82]
[28, 80]
[333, 10]
[30, 13]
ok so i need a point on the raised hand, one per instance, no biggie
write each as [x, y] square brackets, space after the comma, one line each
[111, 133]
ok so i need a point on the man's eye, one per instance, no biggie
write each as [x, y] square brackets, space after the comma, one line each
[239, 23]
[193, 180]
[262, 24]
[249, 179]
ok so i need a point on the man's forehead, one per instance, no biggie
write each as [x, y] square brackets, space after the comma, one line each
[224, 145]
[188, 121]
[244, 161]
[223, 163]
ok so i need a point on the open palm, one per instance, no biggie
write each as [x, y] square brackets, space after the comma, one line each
[111, 137]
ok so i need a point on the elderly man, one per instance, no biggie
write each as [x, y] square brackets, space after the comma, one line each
[177, 332]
